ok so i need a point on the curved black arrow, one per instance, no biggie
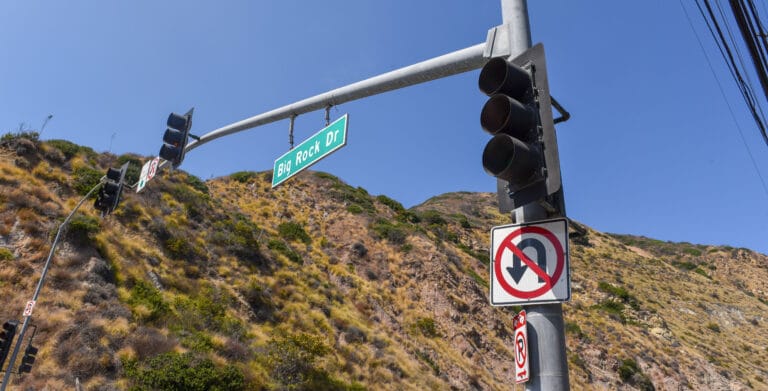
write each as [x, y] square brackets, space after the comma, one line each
[519, 267]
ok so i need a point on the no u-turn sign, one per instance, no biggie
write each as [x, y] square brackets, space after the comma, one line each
[529, 263]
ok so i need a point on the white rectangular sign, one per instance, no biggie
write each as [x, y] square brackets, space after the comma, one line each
[522, 368]
[529, 263]
[28, 309]
[148, 172]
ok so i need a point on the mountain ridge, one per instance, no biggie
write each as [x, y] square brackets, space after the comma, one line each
[317, 284]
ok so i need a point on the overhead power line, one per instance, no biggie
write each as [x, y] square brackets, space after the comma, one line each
[722, 93]
[739, 74]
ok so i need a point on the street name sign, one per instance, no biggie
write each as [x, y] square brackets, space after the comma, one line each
[148, 172]
[311, 150]
[529, 263]
[522, 368]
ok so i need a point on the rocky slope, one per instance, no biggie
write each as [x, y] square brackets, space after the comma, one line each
[230, 284]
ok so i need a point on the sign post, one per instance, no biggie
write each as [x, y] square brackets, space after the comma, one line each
[310, 151]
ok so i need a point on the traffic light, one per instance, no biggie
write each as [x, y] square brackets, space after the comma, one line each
[28, 359]
[6, 339]
[176, 137]
[109, 195]
[523, 151]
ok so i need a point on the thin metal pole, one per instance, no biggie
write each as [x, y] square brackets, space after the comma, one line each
[546, 331]
[20, 340]
[460, 61]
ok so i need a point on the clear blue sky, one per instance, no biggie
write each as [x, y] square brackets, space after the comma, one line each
[651, 149]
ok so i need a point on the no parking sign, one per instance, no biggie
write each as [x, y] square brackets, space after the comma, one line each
[529, 263]
[522, 372]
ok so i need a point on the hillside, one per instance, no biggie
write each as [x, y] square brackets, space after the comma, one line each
[229, 284]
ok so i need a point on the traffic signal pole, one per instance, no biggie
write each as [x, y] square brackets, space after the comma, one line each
[546, 331]
[20, 338]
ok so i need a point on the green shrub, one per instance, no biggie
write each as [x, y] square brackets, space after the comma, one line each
[85, 179]
[713, 326]
[243, 176]
[81, 227]
[627, 369]
[482, 257]
[293, 231]
[147, 295]
[692, 251]
[701, 271]
[427, 327]
[260, 301]
[29, 135]
[69, 149]
[384, 229]
[5, 254]
[392, 204]
[197, 184]
[355, 209]
[240, 236]
[619, 292]
[464, 222]
[181, 372]
[291, 360]
[685, 265]
[408, 216]
[178, 247]
[198, 341]
[629, 372]
[432, 217]
[573, 328]
[345, 193]
[614, 308]
[282, 248]
[325, 175]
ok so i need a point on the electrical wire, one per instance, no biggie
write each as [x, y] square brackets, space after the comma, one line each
[746, 25]
[740, 57]
[746, 90]
[725, 99]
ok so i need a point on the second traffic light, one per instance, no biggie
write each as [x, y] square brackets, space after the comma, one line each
[176, 137]
[523, 151]
[109, 195]
[6, 339]
[28, 359]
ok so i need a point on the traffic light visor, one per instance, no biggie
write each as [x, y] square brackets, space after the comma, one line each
[170, 152]
[510, 159]
[502, 114]
[178, 121]
[501, 77]
[173, 136]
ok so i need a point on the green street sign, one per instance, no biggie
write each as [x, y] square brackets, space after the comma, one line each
[309, 152]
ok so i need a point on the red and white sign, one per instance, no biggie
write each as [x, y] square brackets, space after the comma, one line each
[148, 171]
[522, 371]
[28, 309]
[529, 263]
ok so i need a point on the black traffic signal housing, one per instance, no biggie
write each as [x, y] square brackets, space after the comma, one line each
[109, 195]
[523, 152]
[28, 359]
[6, 339]
[176, 137]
